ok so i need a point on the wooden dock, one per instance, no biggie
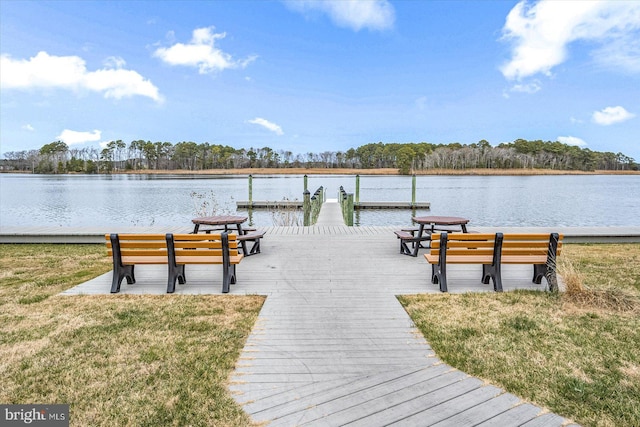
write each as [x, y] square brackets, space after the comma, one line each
[332, 344]
[265, 204]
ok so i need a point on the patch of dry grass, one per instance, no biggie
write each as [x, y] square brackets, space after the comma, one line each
[576, 353]
[116, 359]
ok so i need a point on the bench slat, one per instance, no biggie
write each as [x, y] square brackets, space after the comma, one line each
[465, 245]
[234, 259]
[465, 259]
[142, 253]
[465, 236]
[132, 260]
[530, 236]
[196, 253]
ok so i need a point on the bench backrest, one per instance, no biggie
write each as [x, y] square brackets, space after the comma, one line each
[204, 244]
[137, 245]
[528, 244]
[510, 244]
[471, 244]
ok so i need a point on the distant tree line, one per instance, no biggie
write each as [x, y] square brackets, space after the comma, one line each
[58, 157]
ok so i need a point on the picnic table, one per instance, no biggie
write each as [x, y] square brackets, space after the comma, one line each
[219, 222]
[427, 226]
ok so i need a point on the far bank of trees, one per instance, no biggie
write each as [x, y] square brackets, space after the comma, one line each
[117, 156]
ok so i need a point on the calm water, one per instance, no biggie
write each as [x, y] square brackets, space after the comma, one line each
[142, 200]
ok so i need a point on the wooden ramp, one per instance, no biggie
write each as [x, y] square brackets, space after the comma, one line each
[333, 346]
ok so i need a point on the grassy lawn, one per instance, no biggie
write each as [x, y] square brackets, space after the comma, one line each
[158, 360]
[116, 359]
[575, 353]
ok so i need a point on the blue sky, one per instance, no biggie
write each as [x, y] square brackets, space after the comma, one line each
[314, 76]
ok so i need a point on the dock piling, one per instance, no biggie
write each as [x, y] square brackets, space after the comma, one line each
[413, 191]
[306, 206]
[250, 190]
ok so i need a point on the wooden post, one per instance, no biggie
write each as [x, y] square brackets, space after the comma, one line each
[305, 183]
[306, 206]
[413, 191]
[250, 191]
[357, 189]
[349, 209]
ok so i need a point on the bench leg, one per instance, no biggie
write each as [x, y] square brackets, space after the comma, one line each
[548, 272]
[226, 278]
[539, 271]
[439, 276]
[176, 272]
[121, 272]
[490, 272]
[232, 272]
[404, 249]
[413, 251]
[255, 248]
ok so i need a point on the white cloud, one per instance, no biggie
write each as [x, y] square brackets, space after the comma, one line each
[572, 140]
[70, 72]
[541, 33]
[611, 115]
[531, 87]
[267, 124]
[201, 53]
[28, 127]
[354, 14]
[114, 62]
[72, 137]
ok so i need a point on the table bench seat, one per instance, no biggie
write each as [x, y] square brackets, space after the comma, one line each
[254, 237]
[407, 238]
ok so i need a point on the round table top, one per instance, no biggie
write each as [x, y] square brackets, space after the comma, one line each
[442, 220]
[219, 220]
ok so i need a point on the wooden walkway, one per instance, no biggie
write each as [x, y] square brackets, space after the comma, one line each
[333, 346]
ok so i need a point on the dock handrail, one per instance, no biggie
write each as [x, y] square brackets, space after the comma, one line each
[312, 205]
[346, 203]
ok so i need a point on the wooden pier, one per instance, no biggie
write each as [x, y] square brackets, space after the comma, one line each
[269, 204]
[265, 204]
[391, 205]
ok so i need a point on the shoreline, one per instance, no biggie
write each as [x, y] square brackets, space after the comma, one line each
[379, 171]
[349, 171]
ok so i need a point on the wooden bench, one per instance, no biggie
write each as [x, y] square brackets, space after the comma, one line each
[129, 250]
[493, 250]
